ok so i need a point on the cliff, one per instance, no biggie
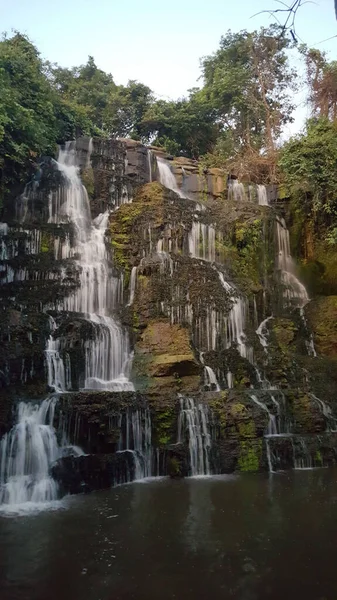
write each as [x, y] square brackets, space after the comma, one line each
[227, 351]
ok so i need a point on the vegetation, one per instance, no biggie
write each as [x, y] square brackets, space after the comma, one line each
[241, 106]
[308, 162]
[233, 121]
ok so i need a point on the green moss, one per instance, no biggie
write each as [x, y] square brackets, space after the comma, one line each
[164, 424]
[238, 410]
[284, 331]
[126, 222]
[247, 430]
[250, 456]
[46, 242]
[318, 458]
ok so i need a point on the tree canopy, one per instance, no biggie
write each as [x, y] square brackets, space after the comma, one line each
[243, 102]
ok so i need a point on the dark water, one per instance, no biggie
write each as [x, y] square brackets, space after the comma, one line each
[247, 538]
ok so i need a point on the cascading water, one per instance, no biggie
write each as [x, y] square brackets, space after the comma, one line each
[167, 178]
[133, 282]
[201, 241]
[135, 438]
[236, 321]
[294, 290]
[30, 448]
[59, 371]
[263, 333]
[108, 357]
[193, 422]
[27, 452]
[262, 197]
[210, 377]
[236, 191]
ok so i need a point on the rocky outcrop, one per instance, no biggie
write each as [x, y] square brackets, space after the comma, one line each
[164, 358]
[196, 281]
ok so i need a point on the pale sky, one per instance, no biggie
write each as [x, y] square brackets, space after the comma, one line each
[157, 43]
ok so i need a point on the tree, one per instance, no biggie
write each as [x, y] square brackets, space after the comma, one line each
[27, 119]
[186, 126]
[309, 166]
[85, 86]
[322, 82]
[125, 109]
[247, 81]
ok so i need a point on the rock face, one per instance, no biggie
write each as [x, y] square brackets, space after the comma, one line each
[223, 355]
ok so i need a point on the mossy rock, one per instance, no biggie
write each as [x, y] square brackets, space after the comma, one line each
[322, 318]
[284, 331]
[169, 356]
[250, 455]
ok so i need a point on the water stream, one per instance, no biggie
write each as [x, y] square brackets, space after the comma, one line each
[27, 452]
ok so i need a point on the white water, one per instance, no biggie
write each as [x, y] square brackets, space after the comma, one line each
[272, 425]
[193, 421]
[263, 333]
[27, 452]
[294, 290]
[262, 197]
[133, 282]
[236, 191]
[59, 372]
[135, 438]
[201, 241]
[108, 356]
[167, 178]
[236, 321]
[210, 376]
[211, 379]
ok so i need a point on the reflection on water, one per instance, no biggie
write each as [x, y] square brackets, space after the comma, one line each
[246, 538]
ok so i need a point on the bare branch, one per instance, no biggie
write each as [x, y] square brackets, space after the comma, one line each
[291, 10]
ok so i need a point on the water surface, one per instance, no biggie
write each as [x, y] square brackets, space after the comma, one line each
[252, 537]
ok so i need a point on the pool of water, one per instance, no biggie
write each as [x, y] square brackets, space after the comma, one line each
[252, 537]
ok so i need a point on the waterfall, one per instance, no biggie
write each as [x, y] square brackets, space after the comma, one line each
[272, 425]
[263, 333]
[331, 421]
[262, 197]
[193, 422]
[294, 289]
[236, 191]
[27, 452]
[59, 374]
[133, 281]
[236, 321]
[135, 438]
[201, 241]
[108, 356]
[149, 164]
[210, 377]
[167, 178]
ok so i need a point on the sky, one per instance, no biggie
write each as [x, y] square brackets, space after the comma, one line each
[157, 43]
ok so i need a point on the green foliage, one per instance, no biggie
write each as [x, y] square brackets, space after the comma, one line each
[309, 166]
[247, 83]
[27, 118]
[242, 104]
[185, 127]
